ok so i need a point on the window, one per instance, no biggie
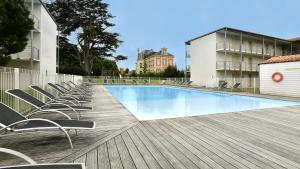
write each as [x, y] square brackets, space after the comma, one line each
[158, 61]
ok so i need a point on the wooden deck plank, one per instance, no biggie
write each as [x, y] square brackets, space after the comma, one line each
[124, 154]
[239, 149]
[187, 152]
[149, 159]
[169, 156]
[173, 149]
[114, 156]
[135, 153]
[272, 129]
[103, 158]
[92, 159]
[235, 152]
[223, 158]
[163, 162]
[81, 159]
[274, 144]
[242, 138]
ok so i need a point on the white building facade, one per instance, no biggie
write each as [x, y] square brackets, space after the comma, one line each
[40, 53]
[231, 55]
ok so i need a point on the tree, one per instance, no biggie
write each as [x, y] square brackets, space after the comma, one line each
[126, 71]
[68, 62]
[120, 58]
[104, 65]
[92, 19]
[15, 25]
[172, 71]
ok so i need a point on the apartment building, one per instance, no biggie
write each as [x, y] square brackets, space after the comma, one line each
[40, 52]
[231, 55]
[152, 61]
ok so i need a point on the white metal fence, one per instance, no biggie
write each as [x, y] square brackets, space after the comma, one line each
[14, 78]
[133, 80]
[247, 84]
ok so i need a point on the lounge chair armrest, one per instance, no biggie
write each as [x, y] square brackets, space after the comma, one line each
[44, 120]
[18, 154]
[48, 111]
[63, 101]
[69, 95]
[48, 104]
[73, 98]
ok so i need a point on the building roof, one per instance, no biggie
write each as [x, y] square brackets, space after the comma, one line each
[282, 59]
[295, 39]
[148, 53]
[235, 30]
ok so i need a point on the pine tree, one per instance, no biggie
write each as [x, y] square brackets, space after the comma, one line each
[15, 25]
[92, 20]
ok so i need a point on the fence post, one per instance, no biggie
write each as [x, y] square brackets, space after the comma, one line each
[16, 85]
[254, 81]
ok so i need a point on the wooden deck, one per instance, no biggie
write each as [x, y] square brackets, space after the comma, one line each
[268, 138]
[110, 117]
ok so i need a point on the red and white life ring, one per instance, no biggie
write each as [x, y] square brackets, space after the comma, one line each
[277, 77]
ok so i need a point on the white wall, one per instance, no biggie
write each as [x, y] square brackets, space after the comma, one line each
[48, 34]
[203, 60]
[289, 86]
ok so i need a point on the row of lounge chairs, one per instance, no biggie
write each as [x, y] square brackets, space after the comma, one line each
[224, 85]
[69, 101]
[181, 82]
[124, 81]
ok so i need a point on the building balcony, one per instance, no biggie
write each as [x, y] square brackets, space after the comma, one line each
[247, 50]
[36, 21]
[237, 66]
[27, 53]
[188, 68]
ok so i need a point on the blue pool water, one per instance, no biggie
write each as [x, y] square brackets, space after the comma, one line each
[157, 102]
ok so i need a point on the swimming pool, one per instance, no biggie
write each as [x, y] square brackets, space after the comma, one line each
[158, 102]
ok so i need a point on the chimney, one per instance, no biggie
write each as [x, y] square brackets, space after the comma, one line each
[164, 51]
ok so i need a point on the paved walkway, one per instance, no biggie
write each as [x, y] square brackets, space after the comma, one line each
[268, 138]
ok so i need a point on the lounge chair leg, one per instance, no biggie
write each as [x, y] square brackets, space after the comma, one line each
[69, 138]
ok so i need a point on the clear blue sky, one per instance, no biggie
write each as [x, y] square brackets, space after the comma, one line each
[152, 24]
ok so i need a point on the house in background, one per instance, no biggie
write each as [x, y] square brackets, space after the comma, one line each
[280, 76]
[40, 52]
[155, 62]
[231, 55]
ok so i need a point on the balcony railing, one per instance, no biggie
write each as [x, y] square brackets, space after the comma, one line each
[26, 54]
[188, 68]
[237, 66]
[188, 55]
[235, 48]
